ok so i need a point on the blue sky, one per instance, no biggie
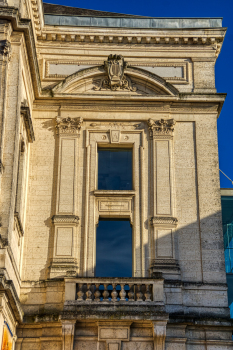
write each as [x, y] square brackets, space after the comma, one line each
[224, 70]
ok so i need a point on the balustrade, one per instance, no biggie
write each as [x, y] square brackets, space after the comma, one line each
[114, 290]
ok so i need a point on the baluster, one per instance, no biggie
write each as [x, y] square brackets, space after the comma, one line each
[97, 293]
[131, 292]
[88, 292]
[114, 293]
[80, 292]
[139, 293]
[105, 293]
[148, 293]
[122, 292]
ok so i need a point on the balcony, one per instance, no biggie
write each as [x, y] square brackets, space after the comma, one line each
[127, 298]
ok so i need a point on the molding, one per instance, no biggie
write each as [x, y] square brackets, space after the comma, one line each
[176, 39]
[176, 80]
[68, 125]
[25, 111]
[156, 84]
[112, 193]
[7, 286]
[185, 107]
[65, 219]
[38, 16]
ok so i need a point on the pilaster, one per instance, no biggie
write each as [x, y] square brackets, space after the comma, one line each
[159, 333]
[68, 329]
[65, 220]
[163, 221]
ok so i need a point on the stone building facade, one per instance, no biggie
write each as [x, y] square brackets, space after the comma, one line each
[72, 82]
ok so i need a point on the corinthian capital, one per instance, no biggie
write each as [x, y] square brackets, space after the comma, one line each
[68, 125]
[161, 128]
[5, 49]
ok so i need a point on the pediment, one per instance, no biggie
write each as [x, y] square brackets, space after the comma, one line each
[94, 81]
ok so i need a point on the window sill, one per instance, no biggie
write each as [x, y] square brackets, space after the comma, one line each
[117, 193]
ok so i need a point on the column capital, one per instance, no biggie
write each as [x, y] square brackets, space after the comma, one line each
[162, 128]
[5, 50]
[68, 125]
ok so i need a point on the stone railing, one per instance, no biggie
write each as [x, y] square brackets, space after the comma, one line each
[102, 290]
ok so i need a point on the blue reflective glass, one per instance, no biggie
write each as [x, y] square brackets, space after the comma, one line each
[227, 221]
[114, 248]
[115, 169]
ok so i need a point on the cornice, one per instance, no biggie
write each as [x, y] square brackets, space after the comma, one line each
[7, 286]
[24, 25]
[177, 37]
[211, 104]
[38, 17]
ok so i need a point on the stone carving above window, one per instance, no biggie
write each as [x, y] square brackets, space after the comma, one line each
[161, 127]
[114, 77]
[116, 80]
[68, 125]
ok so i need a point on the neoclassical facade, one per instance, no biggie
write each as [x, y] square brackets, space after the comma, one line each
[81, 87]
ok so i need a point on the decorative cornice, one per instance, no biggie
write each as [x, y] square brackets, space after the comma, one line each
[163, 221]
[68, 125]
[65, 219]
[25, 111]
[7, 286]
[185, 38]
[161, 127]
[37, 16]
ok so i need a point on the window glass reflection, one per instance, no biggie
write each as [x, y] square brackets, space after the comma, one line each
[114, 248]
[115, 169]
[227, 220]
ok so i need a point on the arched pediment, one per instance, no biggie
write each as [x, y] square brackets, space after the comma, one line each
[95, 81]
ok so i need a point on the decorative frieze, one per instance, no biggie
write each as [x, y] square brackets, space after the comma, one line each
[163, 221]
[132, 39]
[65, 219]
[68, 125]
[161, 127]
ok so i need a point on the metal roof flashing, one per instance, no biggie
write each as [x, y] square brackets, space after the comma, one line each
[132, 22]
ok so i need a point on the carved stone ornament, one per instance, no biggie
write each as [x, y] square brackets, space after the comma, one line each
[163, 221]
[115, 136]
[5, 49]
[116, 80]
[68, 125]
[161, 127]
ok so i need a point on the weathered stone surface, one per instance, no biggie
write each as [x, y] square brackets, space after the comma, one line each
[59, 102]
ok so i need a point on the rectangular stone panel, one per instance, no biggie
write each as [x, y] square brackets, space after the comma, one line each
[164, 243]
[113, 346]
[67, 169]
[114, 206]
[163, 187]
[64, 241]
[114, 333]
